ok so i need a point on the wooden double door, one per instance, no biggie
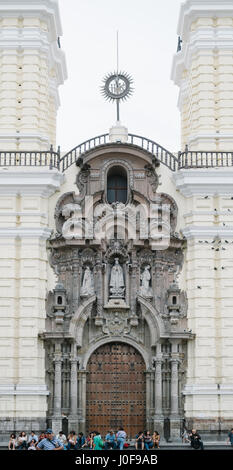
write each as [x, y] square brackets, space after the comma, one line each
[116, 389]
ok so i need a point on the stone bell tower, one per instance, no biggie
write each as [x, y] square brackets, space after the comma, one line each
[32, 67]
[203, 71]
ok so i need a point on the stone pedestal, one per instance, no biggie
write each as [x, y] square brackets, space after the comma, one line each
[175, 429]
[158, 425]
[74, 423]
[118, 133]
[56, 424]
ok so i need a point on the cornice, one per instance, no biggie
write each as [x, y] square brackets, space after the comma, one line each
[208, 389]
[37, 40]
[35, 182]
[203, 40]
[10, 389]
[32, 8]
[204, 232]
[194, 9]
[209, 181]
[21, 233]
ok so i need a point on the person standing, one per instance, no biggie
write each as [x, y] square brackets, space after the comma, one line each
[121, 437]
[230, 437]
[50, 442]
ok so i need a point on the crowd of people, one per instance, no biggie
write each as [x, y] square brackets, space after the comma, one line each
[93, 441]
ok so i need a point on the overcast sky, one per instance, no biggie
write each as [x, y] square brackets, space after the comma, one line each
[147, 42]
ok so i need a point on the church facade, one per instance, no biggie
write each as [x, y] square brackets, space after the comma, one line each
[116, 274]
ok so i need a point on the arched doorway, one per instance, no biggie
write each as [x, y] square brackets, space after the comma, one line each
[116, 389]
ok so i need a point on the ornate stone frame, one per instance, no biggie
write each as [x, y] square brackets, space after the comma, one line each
[104, 173]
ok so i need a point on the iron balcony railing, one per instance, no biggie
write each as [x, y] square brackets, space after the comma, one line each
[52, 159]
[163, 155]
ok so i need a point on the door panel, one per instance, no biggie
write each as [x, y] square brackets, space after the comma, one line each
[116, 389]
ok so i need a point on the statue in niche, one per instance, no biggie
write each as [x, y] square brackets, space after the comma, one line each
[87, 288]
[117, 284]
[145, 289]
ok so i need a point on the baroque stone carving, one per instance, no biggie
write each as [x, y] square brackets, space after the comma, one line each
[116, 324]
[117, 283]
[87, 288]
[145, 289]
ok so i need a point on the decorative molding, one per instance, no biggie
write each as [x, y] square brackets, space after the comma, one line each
[208, 389]
[35, 39]
[42, 140]
[210, 181]
[30, 8]
[37, 182]
[193, 231]
[41, 233]
[191, 10]
[38, 390]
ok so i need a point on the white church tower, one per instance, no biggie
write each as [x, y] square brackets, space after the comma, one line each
[32, 68]
[203, 70]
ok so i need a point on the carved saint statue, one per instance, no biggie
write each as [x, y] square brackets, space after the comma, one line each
[87, 288]
[145, 289]
[117, 284]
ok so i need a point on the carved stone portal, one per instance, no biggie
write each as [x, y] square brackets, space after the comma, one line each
[115, 290]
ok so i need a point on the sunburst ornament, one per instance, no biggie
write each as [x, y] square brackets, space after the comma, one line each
[117, 86]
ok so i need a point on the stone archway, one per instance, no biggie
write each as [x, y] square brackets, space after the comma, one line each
[116, 389]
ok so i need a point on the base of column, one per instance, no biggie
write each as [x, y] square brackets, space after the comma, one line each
[158, 425]
[74, 423]
[82, 426]
[56, 423]
[175, 424]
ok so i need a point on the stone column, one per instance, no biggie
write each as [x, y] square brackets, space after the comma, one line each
[82, 374]
[134, 276]
[148, 398]
[76, 283]
[57, 416]
[100, 273]
[158, 416]
[73, 418]
[175, 419]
